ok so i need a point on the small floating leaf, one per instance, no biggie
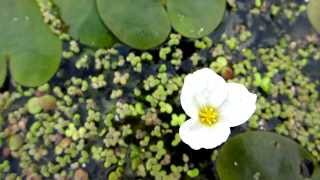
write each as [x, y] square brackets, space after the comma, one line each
[29, 45]
[85, 23]
[262, 155]
[36, 104]
[195, 18]
[15, 142]
[33, 106]
[314, 13]
[47, 102]
[142, 24]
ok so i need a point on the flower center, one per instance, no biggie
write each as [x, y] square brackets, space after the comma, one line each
[208, 115]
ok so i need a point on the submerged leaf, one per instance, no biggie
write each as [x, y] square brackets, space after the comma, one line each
[142, 24]
[195, 18]
[85, 23]
[263, 155]
[29, 45]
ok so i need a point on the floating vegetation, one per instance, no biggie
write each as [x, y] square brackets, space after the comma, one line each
[28, 48]
[115, 113]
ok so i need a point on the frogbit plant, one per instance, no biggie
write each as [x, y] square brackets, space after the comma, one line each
[84, 23]
[141, 24]
[27, 46]
[214, 106]
[265, 155]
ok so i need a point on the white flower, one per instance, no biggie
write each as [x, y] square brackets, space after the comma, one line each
[214, 106]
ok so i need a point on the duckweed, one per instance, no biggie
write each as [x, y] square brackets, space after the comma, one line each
[116, 113]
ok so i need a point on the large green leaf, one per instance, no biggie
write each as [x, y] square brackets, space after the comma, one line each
[85, 23]
[29, 45]
[263, 156]
[316, 174]
[3, 72]
[314, 13]
[195, 18]
[142, 24]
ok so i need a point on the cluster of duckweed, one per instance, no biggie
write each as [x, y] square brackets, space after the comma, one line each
[288, 98]
[282, 74]
[116, 113]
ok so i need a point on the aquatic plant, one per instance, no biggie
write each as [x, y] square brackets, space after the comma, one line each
[142, 24]
[28, 48]
[84, 23]
[214, 106]
[115, 113]
[265, 155]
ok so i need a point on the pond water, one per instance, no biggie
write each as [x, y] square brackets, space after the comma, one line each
[112, 114]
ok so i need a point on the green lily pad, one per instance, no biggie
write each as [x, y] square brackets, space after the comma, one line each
[263, 156]
[142, 24]
[195, 18]
[29, 45]
[314, 13]
[85, 23]
[3, 72]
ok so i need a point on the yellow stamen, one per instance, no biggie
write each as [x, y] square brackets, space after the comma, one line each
[208, 115]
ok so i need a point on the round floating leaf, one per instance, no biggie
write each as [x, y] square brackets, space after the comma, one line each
[29, 45]
[195, 18]
[85, 23]
[142, 24]
[314, 13]
[263, 156]
[3, 72]
[33, 106]
[15, 142]
[36, 104]
[47, 102]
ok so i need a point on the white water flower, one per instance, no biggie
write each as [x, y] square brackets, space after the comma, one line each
[213, 106]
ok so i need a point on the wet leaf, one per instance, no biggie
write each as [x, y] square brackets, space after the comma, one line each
[84, 22]
[29, 45]
[264, 156]
[141, 24]
[195, 19]
[314, 13]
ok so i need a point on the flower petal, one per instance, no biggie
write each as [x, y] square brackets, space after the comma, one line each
[199, 136]
[239, 105]
[203, 87]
